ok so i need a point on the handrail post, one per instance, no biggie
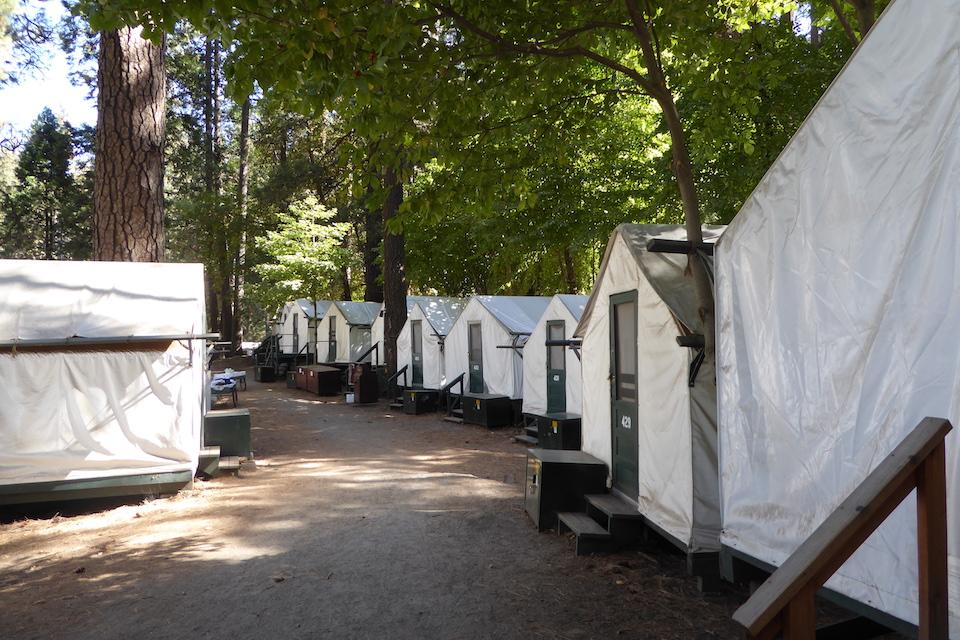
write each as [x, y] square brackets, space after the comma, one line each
[932, 545]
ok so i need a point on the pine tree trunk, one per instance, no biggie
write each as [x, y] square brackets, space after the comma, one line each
[373, 283]
[394, 273]
[569, 270]
[243, 185]
[128, 177]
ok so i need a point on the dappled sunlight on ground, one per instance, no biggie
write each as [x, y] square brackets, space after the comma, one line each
[352, 524]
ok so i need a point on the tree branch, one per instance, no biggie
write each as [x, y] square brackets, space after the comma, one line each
[848, 29]
[537, 48]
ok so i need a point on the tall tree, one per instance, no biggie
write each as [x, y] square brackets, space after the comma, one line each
[46, 211]
[129, 168]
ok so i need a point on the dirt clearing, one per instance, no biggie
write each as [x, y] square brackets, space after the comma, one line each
[356, 523]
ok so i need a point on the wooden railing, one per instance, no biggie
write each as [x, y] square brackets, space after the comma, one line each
[785, 602]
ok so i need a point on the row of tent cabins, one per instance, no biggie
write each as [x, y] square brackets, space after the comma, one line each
[836, 328]
[837, 311]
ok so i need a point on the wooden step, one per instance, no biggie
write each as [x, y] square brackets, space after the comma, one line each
[454, 419]
[532, 432]
[591, 537]
[613, 506]
[396, 405]
[525, 439]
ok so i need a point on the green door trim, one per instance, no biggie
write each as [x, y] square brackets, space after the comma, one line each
[623, 412]
[416, 352]
[474, 367]
[556, 376]
[332, 339]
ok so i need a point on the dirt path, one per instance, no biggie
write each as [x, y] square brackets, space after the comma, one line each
[357, 523]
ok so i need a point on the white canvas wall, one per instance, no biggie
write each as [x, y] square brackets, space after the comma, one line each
[535, 363]
[290, 312]
[377, 337]
[502, 368]
[433, 362]
[674, 454]
[68, 415]
[352, 341]
[838, 291]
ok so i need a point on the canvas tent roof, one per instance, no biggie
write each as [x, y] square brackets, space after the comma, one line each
[517, 314]
[838, 308]
[666, 272]
[359, 313]
[307, 306]
[575, 304]
[441, 313]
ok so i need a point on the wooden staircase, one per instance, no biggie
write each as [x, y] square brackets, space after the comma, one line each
[608, 523]
[529, 436]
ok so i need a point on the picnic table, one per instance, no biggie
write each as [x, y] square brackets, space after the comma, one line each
[229, 375]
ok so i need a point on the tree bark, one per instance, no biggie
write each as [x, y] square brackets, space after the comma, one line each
[569, 270]
[240, 268]
[128, 173]
[683, 170]
[394, 272]
[866, 15]
[373, 283]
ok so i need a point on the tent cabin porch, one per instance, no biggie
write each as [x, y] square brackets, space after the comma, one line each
[104, 372]
[551, 376]
[484, 361]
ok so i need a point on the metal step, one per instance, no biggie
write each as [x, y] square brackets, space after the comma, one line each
[454, 419]
[525, 439]
[591, 537]
[396, 405]
[230, 463]
[457, 412]
[532, 432]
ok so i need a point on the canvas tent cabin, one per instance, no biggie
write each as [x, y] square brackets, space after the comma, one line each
[838, 311]
[103, 375]
[649, 404]
[484, 345]
[551, 374]
[346, 331]
[295, 327]
[378, 333]
[420, 345]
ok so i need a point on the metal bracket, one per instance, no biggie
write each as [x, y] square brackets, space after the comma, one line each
[694, 341]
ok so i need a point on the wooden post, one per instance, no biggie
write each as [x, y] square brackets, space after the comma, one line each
[932, 546]
[800, 616]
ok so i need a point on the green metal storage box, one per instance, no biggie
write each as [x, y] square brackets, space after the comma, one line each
[417, 401]
[488, 410]
[558, 481]
[228, 429]
[558, 431]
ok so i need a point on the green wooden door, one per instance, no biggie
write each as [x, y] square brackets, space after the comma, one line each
[475, 357]
[556, 369]
[623, 410]
[416, 352]
[296, 334]
[332, 340]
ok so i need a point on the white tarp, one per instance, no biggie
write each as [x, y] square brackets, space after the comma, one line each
[504, 321]
[568, 309]
[838, 290]
[677, 457]
[354, 322]
[437, 316]
[67, 414]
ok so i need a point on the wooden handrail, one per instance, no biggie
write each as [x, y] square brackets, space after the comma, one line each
[785, 602]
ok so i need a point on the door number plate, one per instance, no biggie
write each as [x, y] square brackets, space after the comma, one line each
[625, 422]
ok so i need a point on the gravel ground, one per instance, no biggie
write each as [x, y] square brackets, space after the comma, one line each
[356, 523]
